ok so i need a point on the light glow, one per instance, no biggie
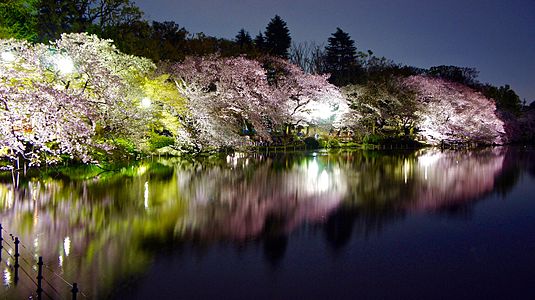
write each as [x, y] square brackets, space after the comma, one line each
[64, 64]
[146, 102]
[324, 182]
[146, 195]
[313, 168]
[142, 170]
[67, 246]
[427, 160]
[8, 56]
[322, 111]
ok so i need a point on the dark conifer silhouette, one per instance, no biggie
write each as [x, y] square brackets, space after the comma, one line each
[260, 42]
[243, 39]
[341, 58]
[278, 38]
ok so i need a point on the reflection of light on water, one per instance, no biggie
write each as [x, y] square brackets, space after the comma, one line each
[316, 181]
[323, 182]
[9, 199]
[146, 195]
[67, 246]
[141, 170]
[233, 159]
[462, 178]
[7, 277]
[427, 160]
[313, 167]
[36, 248]
[406, 167]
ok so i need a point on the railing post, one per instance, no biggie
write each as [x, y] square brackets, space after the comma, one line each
[39, 278]
[74, 290]
[17, 259]
[1, 242]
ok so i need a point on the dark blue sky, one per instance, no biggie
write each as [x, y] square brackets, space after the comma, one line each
[495, 36]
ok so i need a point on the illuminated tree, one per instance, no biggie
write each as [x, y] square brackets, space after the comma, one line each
[70, 98]
[226, 99]
[453, 113]
[306, 99]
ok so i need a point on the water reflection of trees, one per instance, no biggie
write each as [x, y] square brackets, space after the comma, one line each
[127, 216]
[236, 203]
[428, 181]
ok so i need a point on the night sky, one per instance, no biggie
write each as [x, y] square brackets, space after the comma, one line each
[495, 36]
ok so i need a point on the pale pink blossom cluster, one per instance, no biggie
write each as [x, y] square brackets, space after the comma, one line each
[227, 97]
[454, 113]
[70, 97]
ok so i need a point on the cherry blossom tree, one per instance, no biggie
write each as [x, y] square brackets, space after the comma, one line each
[72, 97]
[455, 114]
[227, 98]
[306, 99]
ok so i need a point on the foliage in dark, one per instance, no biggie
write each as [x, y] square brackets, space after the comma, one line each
[386, 106]
[94, 16]
[243, 40]
[309, 56]
[464, 75]
[506, 99]
[311, 143]
[277, 38]
[341, 59]
[17, 19]
[260, 42]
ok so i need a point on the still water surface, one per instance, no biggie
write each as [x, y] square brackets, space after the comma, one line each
[424, 224]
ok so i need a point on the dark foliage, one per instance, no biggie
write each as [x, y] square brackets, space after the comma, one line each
[277, 38]
[341, 59]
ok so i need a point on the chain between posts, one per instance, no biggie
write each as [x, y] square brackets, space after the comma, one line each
[40, 291]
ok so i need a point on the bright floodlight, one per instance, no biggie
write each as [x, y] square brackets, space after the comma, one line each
[8, 56]
[321, 111]
[146, 102]
[64, 64]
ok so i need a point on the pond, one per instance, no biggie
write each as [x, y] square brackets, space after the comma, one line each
[350, 224]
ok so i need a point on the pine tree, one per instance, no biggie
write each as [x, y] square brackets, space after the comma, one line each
[341, 59]
[260, 42]
[243, 39]
[278, 38]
